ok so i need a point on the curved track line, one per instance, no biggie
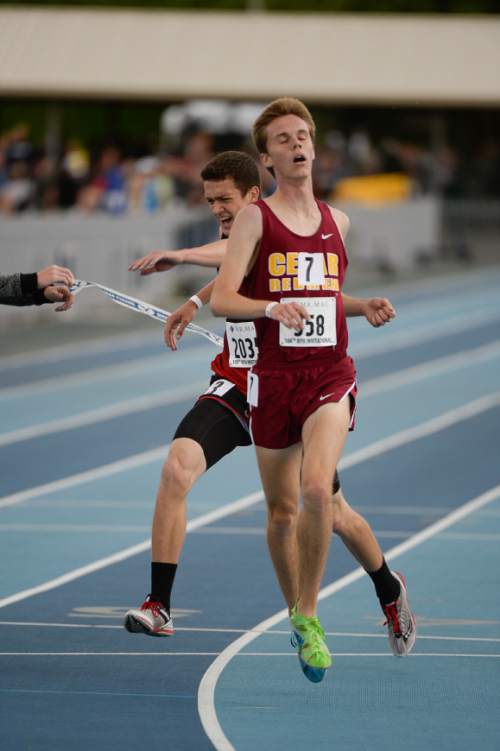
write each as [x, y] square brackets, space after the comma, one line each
[206, 690]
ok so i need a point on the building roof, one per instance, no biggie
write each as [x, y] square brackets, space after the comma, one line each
[168, 55]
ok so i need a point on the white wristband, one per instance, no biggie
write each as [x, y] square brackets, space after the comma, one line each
[269, 307]
[197, 301]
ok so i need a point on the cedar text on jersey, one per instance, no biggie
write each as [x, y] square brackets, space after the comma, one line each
[283, 271]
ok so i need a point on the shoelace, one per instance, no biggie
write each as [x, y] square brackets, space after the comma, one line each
[391, 612]
[155, 607]
[315, 637]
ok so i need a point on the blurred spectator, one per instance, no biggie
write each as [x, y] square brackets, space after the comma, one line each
[331, 165]
[74, 172]
[46, 189]
[185, 168]
[17, 191]
[18, 147]
[107, 188]
[150, 187]
[485, 169]
[108, 181]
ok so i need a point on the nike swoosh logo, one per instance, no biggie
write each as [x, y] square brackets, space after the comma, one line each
[325, 237]
[325, 396]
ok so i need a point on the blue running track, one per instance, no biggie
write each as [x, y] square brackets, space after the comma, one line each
[83, 436]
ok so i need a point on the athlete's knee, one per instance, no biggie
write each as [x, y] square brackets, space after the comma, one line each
[317, 494]
[282, 517]
[180, 470]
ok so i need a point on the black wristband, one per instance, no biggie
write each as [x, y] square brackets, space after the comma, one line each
[29, 283]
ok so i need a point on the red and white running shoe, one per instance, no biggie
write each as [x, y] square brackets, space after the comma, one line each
[401, 623]
[151, 619]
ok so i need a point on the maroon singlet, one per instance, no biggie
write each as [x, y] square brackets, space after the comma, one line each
[295, 380]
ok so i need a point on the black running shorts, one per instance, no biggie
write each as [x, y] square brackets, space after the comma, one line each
[215, 427]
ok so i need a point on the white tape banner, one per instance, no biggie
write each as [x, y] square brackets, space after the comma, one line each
[143, 307]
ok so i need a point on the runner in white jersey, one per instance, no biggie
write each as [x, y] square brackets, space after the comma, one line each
[218, 422]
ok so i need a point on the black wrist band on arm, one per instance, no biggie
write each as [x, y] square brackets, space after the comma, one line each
[29, 283]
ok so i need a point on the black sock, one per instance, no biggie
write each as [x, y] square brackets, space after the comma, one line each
[387, 586]
[162, 580]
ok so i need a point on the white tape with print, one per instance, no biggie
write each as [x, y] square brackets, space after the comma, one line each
[142, 307]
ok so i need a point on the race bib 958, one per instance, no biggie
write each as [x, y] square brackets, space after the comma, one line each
[320, 330]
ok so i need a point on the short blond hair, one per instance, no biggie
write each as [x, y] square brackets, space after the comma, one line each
[285, 105]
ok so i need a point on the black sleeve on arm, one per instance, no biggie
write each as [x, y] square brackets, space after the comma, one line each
[29, 283]
[29, 286]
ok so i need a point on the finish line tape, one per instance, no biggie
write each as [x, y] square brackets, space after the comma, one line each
[143, 307]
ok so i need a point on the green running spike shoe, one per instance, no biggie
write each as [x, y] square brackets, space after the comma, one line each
[309, 639]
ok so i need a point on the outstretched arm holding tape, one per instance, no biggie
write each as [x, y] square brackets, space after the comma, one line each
[50, 285]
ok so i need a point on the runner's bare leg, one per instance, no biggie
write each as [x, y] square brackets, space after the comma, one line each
[185, 463]
[280, 474]
[356, 534]
[323, 436]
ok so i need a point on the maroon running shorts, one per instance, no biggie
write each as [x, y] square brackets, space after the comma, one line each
[287, 396]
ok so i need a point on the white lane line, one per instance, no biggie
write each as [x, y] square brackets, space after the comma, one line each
[443, 421]
[370, 389]
[387, 534]
[211, 516]
[241, 654]
[397, 439]
[374, 510]
[432, 368]
[129, 406]
[88, 503]
[66, 691]
[104, 373]
[274, 632]
[446, 283]
[404, 510]
[379, 510]
[206, 689]
[406, 339]
[472, 536]
[122, 465]
[76, 528]
[372, 654]
[259, 531]
[108, 654]
[101, 414]
[417, 510]
[401, 510]
[404, 377]
[62, 352]
[375, 449]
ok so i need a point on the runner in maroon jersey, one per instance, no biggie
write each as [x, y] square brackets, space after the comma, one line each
[289, 251]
